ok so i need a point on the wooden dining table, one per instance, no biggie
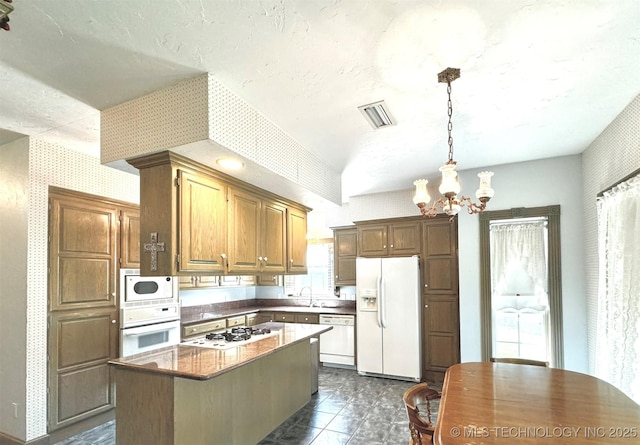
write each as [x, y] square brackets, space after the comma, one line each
[500, 403]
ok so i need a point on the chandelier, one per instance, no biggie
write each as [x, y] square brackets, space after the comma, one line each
[450, 203]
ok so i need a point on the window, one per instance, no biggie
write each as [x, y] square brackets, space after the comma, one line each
[521, 294]
[320, 271]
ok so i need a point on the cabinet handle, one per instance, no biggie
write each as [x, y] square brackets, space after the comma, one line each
[384, 246]
[265, 259]
[291, 260]
[260, 259]
[113, 322]
[391, 246]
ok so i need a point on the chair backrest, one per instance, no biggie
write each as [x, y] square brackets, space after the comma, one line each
[419, 426]
[520, 361]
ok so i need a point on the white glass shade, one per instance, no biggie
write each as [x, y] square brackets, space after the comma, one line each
[451, 207]
[485, 190]
[450, 184]
[422, 195]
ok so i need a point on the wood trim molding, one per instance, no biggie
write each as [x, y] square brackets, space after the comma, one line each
[555, 275]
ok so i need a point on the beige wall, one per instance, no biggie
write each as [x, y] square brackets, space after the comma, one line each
[14, 195]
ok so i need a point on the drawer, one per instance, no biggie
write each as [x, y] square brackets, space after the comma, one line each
[307, 318]
[203, 328]
[240, 320]
[285, 316]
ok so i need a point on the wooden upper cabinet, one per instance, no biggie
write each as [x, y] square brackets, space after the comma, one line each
[440, 273]
[130, 238]
[345, 251]
[257, 234]
[244, 220]
[274, 237]
[297, 241]
[83, 239]
[203, 223]
[210, 223]
[393, 239]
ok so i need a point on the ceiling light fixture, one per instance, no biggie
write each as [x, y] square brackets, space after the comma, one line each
[5, 10]
[230, 164]
[450, 203]
[377, 114]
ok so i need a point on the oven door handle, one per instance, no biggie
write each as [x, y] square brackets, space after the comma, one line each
[141, 330]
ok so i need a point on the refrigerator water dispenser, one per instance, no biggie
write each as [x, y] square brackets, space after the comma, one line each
[368, 299]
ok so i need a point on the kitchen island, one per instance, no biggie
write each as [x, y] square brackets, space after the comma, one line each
[194, 395]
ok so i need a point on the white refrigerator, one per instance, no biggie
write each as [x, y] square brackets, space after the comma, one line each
[388, 317]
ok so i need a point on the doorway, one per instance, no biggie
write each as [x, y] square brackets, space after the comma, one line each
[521, 297]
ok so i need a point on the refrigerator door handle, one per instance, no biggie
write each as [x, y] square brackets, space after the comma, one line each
[383, 304]
[379, 302]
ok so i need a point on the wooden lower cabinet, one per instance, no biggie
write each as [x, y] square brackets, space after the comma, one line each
[286, 317]
[238, 407]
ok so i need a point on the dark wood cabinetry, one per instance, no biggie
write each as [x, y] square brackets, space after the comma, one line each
[257, 234]
[345, 251]
[441, 319]
[435, 241]
[209, 223]
[89, 237]
[377, 239]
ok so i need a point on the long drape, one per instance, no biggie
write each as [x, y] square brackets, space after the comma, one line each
[618, 327]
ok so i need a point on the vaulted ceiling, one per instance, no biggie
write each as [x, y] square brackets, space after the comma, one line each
[539, 79]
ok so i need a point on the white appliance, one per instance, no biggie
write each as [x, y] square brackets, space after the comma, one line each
[149, 312]
[388, 310]
[338, 345]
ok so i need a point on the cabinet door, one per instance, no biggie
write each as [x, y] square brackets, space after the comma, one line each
[404, 238]
[244, 232]
[203, 223]
[297, 241]
[440, 296]
[345, 248]
[372, 240]
[130, 238]
[274, 236]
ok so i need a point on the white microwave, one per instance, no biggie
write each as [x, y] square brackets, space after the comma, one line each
[136, 290]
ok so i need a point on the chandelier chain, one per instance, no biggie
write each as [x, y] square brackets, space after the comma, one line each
[450, 125]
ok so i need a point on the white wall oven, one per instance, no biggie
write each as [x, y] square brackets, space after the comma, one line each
[149, 312]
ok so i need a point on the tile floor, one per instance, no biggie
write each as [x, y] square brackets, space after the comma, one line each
[348, 409]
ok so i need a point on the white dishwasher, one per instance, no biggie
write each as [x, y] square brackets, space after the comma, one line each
[338, 345]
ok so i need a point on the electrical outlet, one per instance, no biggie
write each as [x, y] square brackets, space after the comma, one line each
[15, 410]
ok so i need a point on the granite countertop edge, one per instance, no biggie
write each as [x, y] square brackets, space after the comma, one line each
[142, 362]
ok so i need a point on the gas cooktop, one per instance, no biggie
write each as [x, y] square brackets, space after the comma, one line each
[231, 338]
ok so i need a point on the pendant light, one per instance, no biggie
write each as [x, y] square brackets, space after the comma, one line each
[450, 203]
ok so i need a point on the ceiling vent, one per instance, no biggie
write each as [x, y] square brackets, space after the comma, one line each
[377, 114]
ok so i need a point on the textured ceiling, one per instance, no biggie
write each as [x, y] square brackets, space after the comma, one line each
[539, 79]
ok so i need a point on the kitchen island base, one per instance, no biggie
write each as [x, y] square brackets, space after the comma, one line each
[240, 406]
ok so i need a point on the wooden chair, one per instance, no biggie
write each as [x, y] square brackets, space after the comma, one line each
[421, 428]
[519, 361]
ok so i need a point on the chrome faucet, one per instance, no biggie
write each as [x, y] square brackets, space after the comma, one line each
[310, 294]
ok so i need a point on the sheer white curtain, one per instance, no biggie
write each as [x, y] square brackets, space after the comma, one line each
[618, 330]
[519, 246]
